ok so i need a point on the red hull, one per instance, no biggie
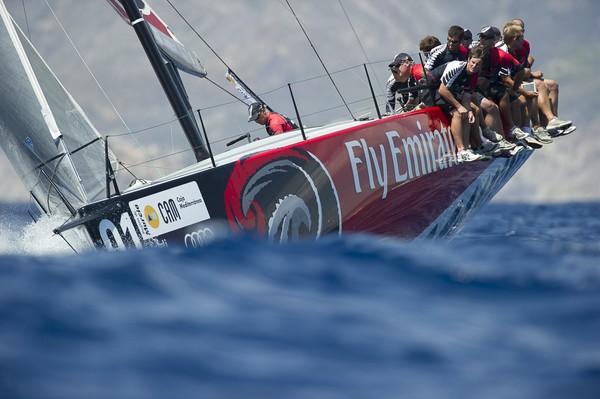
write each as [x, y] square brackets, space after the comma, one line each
[396, 176]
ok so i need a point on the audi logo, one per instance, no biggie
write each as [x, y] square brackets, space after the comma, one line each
[198, 238]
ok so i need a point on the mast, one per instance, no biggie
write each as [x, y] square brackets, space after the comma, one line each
[176, 97]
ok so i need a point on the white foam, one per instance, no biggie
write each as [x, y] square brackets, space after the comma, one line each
[19, 237]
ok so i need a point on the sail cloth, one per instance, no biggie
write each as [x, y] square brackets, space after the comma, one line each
[44, 133]
[171, 48]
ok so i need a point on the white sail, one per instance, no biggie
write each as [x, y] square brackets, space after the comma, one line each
[57, 153]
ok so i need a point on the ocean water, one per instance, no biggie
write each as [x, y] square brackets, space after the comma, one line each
[508, 309]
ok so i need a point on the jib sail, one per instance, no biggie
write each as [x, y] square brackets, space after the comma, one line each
[57, 153]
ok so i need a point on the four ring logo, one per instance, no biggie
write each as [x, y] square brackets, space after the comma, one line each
[198, 238]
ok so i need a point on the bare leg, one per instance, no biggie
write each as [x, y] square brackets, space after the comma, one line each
[525, 119]
[466, 127]
[456, 127]
[492, 114]
[515, 110]
[534, 112]
[474, 135]
[505, 112]
[552, 86]
[544, 102]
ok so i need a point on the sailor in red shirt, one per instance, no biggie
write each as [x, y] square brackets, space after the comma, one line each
[547, 89]
[453, 50]
[274, 122]
[501, 71]
[521, 99]
[405, 74]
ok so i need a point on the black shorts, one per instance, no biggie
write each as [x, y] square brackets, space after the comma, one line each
[513, 96]
[495, 91]
[445, 106]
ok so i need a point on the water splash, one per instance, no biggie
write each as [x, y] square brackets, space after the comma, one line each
[19, 235]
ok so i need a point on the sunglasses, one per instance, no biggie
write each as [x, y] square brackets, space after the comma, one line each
[453, 41]
[395, 67]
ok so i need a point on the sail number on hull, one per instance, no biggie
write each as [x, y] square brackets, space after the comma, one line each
[117, 235]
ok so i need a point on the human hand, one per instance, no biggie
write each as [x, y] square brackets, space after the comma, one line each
[471, 117]
[530, 94]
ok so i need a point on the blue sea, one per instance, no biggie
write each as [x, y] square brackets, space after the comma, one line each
[508, 309]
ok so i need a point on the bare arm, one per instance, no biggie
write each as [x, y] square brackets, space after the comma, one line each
[448, 96]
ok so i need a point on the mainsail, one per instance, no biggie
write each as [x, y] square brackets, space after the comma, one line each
[57, 153]
[169, 45]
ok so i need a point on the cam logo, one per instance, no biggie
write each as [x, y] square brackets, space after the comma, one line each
[169, 210]
[151, 217]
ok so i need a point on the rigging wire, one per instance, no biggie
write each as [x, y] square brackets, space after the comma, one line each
[26, 20]
[227, 66]
[68, 243]
[197, 34]
[320, 60]
[305, 34]
[210, 48]
[360, 43]
[98, 84]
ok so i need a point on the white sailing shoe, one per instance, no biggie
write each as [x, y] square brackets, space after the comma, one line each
[542, 135]
[558, 124]
[514, 151]
[506, 145]
[468, 155]
[517, 133]
[520, 135]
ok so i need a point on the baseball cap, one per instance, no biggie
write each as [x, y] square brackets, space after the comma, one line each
[253, 111]
[399, 58]
[488, 32]
[467, 34]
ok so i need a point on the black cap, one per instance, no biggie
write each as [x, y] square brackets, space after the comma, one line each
[487, 32]
[399, 58]
[253, 111]
[467, 35]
